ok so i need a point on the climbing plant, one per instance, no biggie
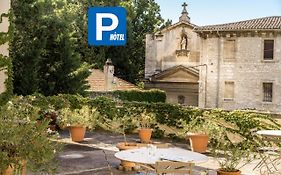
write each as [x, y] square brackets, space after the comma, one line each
[6, 62]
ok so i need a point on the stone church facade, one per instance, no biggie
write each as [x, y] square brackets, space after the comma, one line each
[231, 66]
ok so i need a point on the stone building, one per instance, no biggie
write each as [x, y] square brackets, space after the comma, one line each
[4, 47]
[232, 66]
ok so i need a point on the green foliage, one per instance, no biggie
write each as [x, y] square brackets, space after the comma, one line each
[170, 115]
[233, 135]
[145, 119]
[86, 117]
[152, 96]
[106, 107]
[143, 16]
[23, 139]
[44, 49]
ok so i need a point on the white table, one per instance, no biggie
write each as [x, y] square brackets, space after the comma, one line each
[150, 156]
[270, 133]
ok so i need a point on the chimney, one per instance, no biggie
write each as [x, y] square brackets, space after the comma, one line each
[108, 72]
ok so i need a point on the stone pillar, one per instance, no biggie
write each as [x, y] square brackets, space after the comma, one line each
[4, 48]
[109, 75]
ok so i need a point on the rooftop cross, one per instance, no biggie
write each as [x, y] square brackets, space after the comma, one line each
[184, 5]
[184, 16]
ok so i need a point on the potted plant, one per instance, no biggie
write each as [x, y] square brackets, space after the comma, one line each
[203, 129]
[77, 120]
[232, 152]
[197, 132]
[144, 122]
[24, 142]
[121, 126]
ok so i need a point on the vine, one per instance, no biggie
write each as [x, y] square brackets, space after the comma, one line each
[6, 62]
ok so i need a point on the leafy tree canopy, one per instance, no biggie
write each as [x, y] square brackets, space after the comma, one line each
[44, 53]
[50, 49]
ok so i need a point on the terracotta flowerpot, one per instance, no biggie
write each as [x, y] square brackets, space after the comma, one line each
[145, 135]
[8, 171]
[77, 133]
[198, 142]
[24, 169]
[11, 170]
[221, 172]
[125, 146]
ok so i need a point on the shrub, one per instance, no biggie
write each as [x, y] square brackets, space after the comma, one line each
[153, 96]
[86, 117]
[171, 115]
[22, 138]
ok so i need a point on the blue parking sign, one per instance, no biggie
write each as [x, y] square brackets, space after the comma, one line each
[107, 26]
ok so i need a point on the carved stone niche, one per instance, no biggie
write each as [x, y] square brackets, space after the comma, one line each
[183, 52]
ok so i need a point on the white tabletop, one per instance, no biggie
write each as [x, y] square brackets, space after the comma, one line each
[271, 133]
[151, 156]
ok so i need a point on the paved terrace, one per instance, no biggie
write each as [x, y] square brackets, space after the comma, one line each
[89, 157]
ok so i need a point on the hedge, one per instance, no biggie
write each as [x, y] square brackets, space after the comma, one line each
[168, 114]
[151, 96]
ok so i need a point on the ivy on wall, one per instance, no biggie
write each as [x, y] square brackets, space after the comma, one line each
[6, 62]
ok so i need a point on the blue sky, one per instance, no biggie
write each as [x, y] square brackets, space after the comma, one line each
[204, 12]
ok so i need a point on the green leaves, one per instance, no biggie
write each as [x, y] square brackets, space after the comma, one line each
[44, 49]
[86, 117]
[22, 138]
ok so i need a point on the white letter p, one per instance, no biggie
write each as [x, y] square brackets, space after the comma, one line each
[100, 28]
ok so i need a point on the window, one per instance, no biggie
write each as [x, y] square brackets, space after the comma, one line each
[229, 49]
[268, 49]
[181, 99]
[267, 92]
[228, 91]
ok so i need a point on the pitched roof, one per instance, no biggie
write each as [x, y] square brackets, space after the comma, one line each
[97, 82]
[188, 24]
[266, 23]
[190, 70]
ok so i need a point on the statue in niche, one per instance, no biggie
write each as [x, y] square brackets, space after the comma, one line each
[184, 43]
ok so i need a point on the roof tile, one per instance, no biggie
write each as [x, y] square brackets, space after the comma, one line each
[266, 23]
[96, 80]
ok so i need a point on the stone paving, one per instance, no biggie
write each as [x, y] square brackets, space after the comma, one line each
[89, 157]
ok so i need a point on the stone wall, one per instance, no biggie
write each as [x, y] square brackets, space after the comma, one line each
[174, 90]
[247, 70]
[4, 48]
[161, 49]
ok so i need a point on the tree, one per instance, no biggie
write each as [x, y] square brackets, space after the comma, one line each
[44, 49]
[143, 16]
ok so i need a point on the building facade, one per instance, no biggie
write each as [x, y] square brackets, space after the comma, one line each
[4, 47]
[230, 66]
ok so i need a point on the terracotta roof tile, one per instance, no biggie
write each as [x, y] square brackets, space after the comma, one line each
[96, 80]
[266, 23]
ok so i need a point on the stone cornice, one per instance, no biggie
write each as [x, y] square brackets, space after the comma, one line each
[240, 33]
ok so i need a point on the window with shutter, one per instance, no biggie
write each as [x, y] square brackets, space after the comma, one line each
[267, 92]
[268, 51]
[228, 91]
[229, 50]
